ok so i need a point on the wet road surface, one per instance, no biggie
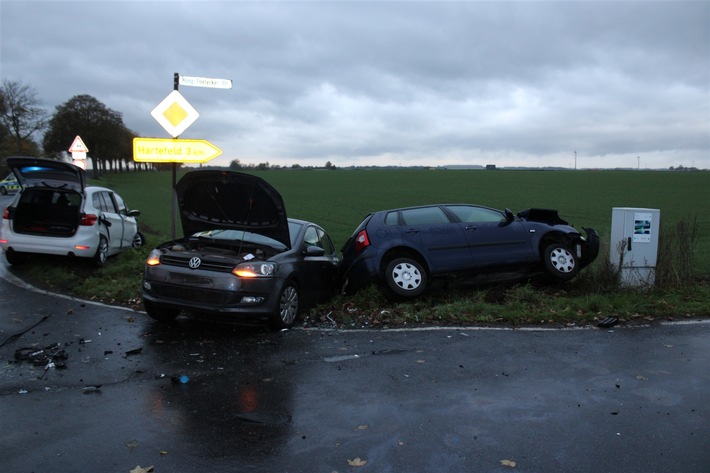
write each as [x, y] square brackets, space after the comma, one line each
[467, 400]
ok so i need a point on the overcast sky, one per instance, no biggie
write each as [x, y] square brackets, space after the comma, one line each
[529, 83]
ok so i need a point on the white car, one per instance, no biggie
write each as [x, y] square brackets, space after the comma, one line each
[55, 213]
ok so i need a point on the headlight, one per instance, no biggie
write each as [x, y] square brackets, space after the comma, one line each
[153, 258]
[254, 270]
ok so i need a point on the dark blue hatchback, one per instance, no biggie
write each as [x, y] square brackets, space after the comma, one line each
[402, 249]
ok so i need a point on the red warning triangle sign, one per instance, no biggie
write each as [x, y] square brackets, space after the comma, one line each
[78, 146]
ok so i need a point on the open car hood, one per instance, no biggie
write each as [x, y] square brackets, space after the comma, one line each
[548, 216]
[212, 199]
[42, 172]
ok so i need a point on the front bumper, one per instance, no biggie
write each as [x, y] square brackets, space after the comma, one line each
[210, 293]
[590, 247]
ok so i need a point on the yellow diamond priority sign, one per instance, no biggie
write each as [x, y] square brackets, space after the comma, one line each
[175, 114]
[166, 150]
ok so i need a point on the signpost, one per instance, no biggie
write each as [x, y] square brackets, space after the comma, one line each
[78, 152]
[204, 82]
[166, 150]
[175, 115]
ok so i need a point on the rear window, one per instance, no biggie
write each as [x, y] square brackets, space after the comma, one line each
[50, 197]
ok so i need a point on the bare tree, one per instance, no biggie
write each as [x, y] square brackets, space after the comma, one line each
[21, 115]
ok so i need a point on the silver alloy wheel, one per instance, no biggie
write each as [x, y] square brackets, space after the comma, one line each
[562, 260]
[101, 252]
[406, 276]
[138, 240]
[288, 305]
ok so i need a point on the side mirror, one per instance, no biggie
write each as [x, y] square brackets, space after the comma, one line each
[509, 215]
[133, 213]
[314, 251]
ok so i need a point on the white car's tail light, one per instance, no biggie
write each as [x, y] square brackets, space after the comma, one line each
[88, 220]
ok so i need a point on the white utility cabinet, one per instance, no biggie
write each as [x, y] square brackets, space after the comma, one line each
[634, 244]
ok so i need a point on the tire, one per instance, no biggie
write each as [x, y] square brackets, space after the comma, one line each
[138, 240]
[405, 277]
[288, 308]
[159, 313]
[3, 190]
[15, 257]
[560, 262]
[101, 252]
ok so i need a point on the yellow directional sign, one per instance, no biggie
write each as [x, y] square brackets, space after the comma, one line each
[166, 150]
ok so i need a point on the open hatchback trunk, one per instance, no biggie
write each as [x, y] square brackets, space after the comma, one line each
[51, 199]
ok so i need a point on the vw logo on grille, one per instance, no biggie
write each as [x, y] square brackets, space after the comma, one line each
[194, 262]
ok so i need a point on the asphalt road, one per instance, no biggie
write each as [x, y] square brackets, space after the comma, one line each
[629, 399]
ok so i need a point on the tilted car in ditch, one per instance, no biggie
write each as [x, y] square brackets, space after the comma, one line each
[403, 249]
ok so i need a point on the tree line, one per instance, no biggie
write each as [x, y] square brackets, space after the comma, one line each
[23, 121]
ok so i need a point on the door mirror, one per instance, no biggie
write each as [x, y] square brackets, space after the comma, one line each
[312, 250]
[509, 217]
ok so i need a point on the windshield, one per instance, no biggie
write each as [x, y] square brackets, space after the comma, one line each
[240, 235]
[249, 237]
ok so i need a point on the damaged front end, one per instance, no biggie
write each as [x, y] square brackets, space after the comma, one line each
[587, 248]
[590, 247]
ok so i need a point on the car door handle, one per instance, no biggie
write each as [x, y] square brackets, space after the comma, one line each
[471, 227]
[411, 230]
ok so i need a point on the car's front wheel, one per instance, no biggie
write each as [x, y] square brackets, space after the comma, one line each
[101, 252]
[138, 240]
[3, 190]
[286, 313]
[159, 313]
[405, 277]
[560, 262]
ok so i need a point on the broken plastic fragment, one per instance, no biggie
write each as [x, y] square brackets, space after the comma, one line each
[357, 462]
[608, 322]
[138, 469]
[335, 359]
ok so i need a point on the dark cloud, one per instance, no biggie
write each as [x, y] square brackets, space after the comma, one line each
[521, 82]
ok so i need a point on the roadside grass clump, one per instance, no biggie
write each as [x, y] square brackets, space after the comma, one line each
[676, 254]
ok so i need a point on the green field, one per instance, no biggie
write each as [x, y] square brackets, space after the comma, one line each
[339, 199]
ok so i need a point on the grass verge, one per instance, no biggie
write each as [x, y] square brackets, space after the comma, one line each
[586, 300]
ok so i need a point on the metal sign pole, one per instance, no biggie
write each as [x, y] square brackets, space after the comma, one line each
[176, 83]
